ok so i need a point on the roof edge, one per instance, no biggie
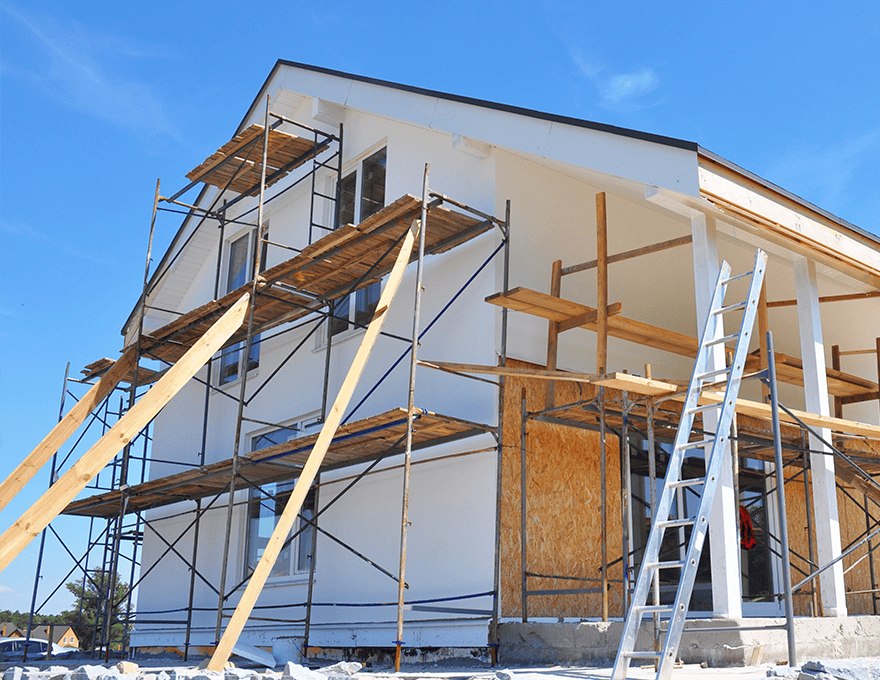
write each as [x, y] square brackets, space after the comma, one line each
[472, 101]
[749, 175]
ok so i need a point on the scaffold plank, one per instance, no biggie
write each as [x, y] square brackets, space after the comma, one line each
[357, 442]
[347, 259]
[236, 164]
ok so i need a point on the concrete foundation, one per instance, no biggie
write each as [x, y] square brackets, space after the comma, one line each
[596, 642]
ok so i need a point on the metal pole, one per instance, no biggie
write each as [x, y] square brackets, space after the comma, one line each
[312, 560]
[522, 508]
[603, 508]
[870, 555]
[816, 604]
[410, 415]
[499, 458]
[236, 444]
[625, 518]
[43, 533]
[208, 384]
[652, 483]
[780, 503]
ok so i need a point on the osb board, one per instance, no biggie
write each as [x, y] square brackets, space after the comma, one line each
[563, 493]
[853, 524]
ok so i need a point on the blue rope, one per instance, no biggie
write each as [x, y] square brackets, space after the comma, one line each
[427, 328]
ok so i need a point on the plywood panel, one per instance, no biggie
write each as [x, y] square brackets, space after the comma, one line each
[563, 500]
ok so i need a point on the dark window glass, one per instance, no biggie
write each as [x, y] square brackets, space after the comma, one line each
[339, 320]
[347, 188]
[373, 189]
[365, 303]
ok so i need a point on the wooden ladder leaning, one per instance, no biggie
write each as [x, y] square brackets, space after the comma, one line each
[704, 379]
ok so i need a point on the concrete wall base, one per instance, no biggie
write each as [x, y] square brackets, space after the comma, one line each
[596, 642]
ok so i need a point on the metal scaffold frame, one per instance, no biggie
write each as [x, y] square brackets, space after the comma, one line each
[126, 497]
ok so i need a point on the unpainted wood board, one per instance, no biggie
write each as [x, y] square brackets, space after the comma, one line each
[563, 495]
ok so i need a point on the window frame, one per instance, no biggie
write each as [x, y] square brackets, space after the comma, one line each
[298, 561]
[225, 376]
[360, 305]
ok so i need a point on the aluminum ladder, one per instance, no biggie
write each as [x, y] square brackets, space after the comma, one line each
[704, 379]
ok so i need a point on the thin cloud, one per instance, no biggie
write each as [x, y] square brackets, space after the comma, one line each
[75, 70]
[622, 92]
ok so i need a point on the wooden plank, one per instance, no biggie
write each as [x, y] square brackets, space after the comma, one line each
[35, 519]
[621, 381]
[816, 421]
[584, 320]
[630, 254]
[37, 458]
[553, 335]
[828, 298]
[601, 284]
[313, 464]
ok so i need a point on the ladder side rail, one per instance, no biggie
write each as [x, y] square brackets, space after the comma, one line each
[713, 471]
[664, 506]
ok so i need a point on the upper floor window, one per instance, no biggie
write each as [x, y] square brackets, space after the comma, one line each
[240, 260]
[267, 504]
[362, 193]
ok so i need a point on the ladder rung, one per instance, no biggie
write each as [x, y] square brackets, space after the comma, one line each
[696, 445]
[642, 654]
[665, 565]
[705, 407]
[737, 277]
[718, 341]
[679, 483]
[712, 374]
[730, 308]
[654, 609]
[671, 523]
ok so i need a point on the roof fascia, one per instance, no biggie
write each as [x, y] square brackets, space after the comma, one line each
[786, 195]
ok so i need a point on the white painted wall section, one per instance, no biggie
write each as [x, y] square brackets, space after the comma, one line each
[821, 465]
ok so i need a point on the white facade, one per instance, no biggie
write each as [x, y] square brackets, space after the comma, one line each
[549, 169]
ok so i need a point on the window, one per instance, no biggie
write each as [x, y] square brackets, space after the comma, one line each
[240, 260]
[362, 193]
[266, 505]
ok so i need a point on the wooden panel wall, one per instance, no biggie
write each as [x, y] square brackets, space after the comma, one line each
[563, 500]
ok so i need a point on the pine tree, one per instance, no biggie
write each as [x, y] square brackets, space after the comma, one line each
[90, 606]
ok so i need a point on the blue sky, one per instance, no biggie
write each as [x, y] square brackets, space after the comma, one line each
[99, 99]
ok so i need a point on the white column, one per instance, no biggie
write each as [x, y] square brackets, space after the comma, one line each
[726, 585]
[822, 466]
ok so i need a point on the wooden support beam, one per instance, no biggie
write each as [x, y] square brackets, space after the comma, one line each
[588, 318]
[622, 381]
[37, 458]
[601, 283]
[630, 254]
[835, 364]
[828, 298]
[553, 335]
[310, 469]
[763, 327]
[37, 518]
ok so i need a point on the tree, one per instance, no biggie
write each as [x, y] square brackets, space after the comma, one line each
[91, 606]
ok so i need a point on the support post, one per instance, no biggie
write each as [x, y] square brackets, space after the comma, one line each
[523, 510]
[780, 505]
[410, 416]
[553, 336]
[724, 518]
[816, 400]
[602, 284]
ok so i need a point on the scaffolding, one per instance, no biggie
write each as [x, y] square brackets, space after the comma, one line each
[340, 259]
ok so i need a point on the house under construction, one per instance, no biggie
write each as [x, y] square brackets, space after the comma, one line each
[415, 367]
